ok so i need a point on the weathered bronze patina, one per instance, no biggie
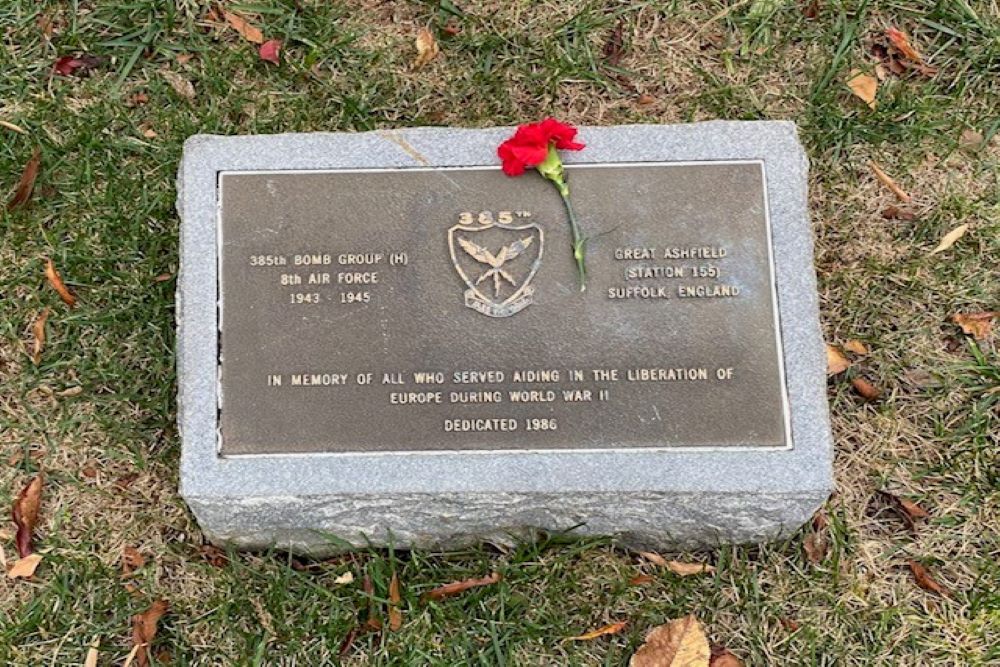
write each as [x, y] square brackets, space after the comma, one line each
[438, 309]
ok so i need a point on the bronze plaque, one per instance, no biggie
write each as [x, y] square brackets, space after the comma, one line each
[439, 309]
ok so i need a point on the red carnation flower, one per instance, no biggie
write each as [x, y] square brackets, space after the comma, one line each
[530, 144]
[535, 145]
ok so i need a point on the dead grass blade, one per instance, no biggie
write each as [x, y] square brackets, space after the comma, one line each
[457, 587]
[25, 514]
[610, 629]
[679, 643]
[13, 128]
[924, 579]
[950, 238]
[27, 183]
[144, 631]
[93, 653]
[38, 336]
[247, 30]
[56, 281]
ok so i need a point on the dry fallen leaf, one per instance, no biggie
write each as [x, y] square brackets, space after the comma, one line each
[654, 558]
[896, 213]
[395, 615]
[901, 43]
[855, 346]
[815, 547]
[925, 580]
[816, 544]
[610, 629]
[270, 51]
[836, 362]
[144, 630]
[978, 325]
[93, 653]
[687, 569]
[38, 335]
[679, 643]
[645, 100]
[25, 514]
[789, 624]
[723, 658]
[214, 555]
[867, 390]
[132, 560]
[640, 580]
[56, 281]
[457, 587]
[181, 86]
[887, 181]
[908, 510]
[345, 578]
[24, 567]
[949, 239]
[27, 183]
[864, 87]
[372, 623]
[137, 99]
[78, 65]
[247, 30]
[427, 48]
[614, 48]
[970, 139]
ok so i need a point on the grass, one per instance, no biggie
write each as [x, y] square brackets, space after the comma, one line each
[103, 210]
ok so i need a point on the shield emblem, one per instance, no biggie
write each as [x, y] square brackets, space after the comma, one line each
[497, 262]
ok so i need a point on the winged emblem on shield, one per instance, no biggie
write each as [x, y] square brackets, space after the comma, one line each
[497, 262]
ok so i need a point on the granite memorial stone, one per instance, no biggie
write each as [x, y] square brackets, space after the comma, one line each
[382, 339]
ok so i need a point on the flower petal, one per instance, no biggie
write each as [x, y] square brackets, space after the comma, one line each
[530, 155]
[560, 133]
[511, 165]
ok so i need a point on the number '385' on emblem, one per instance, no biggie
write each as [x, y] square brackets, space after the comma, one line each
[497, 261]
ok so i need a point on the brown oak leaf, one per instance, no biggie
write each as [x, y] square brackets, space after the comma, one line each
[25, 514]
[27, 183]
[144, 630]
[924, 579]
[56, 281]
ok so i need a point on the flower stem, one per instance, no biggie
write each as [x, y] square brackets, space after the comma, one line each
[579, 241]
